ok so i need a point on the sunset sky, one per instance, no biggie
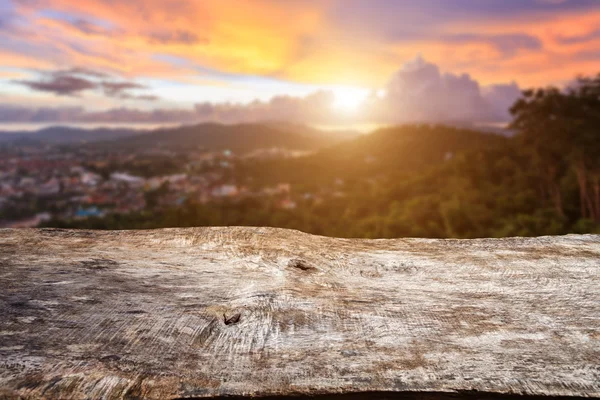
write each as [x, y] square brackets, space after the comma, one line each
[319, 61]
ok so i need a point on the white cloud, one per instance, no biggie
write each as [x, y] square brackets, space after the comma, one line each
[420, 92]
[417, 92]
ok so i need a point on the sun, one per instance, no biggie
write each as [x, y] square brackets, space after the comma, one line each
[349, 99]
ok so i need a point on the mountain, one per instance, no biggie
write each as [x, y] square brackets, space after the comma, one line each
[392, 147]
[67, 135]
[241, 138]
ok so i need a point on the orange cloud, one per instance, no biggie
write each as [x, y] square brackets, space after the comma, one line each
[232, 36]
[16, 60]
[298, 41]
[566, 38]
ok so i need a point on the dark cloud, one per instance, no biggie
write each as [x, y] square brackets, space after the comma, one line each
[122, 90]
[587, 55]
[407, 22]
[82, 71]
[144, 97]
[403, 20]
[175, 37]
[85, 25]
[118, 89]
[61, 85]
[89, 28]
[178, 36]
[507, 44]
[76, 80]
[390, 13]
[580, 38]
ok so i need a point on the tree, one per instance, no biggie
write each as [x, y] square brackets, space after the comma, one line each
[586, 154]
[562, 129]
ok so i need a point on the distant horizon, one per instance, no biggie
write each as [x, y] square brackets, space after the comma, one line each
[16, 128]
[32, 126]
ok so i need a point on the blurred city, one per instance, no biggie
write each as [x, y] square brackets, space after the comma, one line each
[43, 183]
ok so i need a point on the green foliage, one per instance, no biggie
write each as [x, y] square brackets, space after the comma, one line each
[561, 131]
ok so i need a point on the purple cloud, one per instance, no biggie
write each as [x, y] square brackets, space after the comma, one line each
[75, 81]
[580, 38]
[505, 44]
[89, 28]
[60, 85]
[175, 37]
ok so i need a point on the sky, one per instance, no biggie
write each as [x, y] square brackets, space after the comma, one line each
[321, 62]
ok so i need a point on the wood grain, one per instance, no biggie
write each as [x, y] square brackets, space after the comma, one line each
[209, 312]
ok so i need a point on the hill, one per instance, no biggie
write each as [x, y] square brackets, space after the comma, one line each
[407, 147]
[394, 151]
[241, 138]
[67, 135]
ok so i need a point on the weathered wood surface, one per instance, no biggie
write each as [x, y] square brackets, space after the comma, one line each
[143, 314]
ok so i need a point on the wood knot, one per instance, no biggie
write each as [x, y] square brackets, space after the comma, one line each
[231, 318]
[301, 265]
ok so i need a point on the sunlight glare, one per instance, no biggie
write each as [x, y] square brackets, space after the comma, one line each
[349, 99]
